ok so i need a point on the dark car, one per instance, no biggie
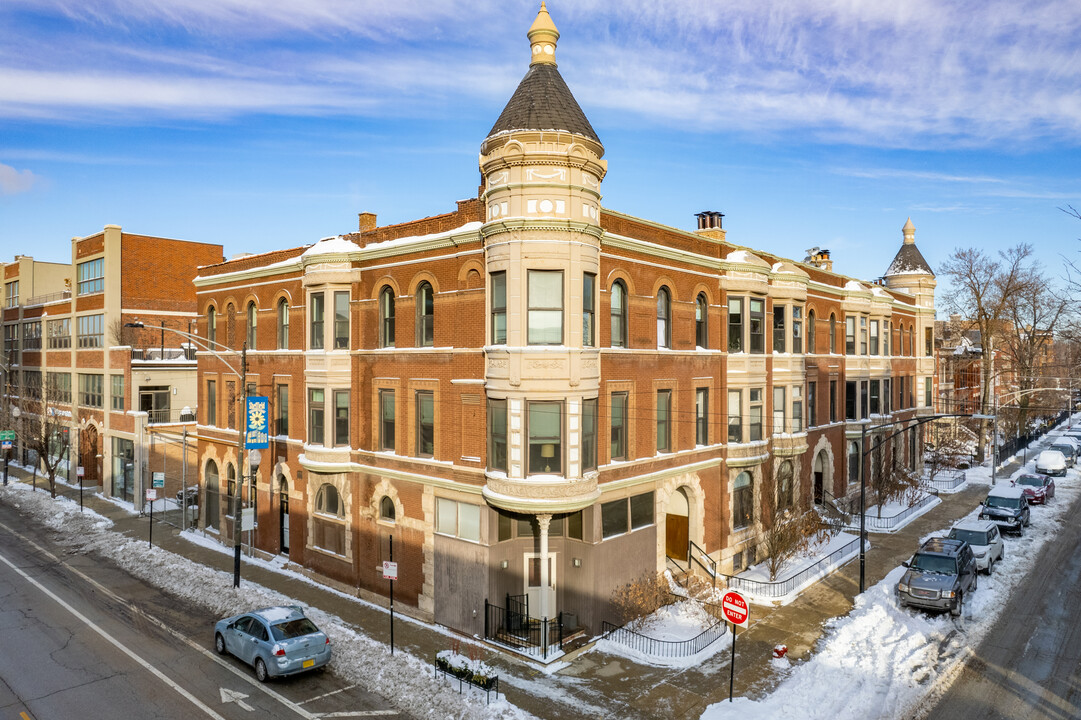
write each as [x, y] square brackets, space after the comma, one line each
[276, 641]
[1008, 507]
[939, 576]
[1038, 489]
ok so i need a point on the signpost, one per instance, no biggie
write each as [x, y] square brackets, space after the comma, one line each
[7, 439]
[151, 496]
[390, 572]
[736, 611]
[80, 472]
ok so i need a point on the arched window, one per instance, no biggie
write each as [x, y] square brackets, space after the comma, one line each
[784, 485]
[619, 315]
[700, 332]
[212, 491]
[425, 315]
[283, 324]
[853, 462]
[664, 312]
[743, 501]
[386, 509]
[386, 317]
[833, 334]
[812, 336]
[251, 325]
[328, 525]
[212, 325]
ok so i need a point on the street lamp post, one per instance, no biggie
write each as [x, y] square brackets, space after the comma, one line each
[242, 376]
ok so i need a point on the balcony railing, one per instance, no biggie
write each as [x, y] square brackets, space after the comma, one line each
[168, 355]
[51, 297]
[170, 416]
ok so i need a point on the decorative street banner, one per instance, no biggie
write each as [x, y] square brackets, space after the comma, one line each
[257, 433]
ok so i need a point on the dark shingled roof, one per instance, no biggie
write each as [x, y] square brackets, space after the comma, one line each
[909, 260]
[543, 102]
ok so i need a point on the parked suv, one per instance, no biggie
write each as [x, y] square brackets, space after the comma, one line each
[1008, 507]
[939, 576]
[984, 539]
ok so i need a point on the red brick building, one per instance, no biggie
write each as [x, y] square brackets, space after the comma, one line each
[537, 396]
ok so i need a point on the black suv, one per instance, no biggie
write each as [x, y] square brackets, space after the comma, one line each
[939, 575]
[1008, 507]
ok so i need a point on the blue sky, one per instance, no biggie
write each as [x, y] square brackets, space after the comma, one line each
[263, 124]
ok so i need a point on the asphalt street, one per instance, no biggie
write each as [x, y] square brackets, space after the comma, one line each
[83, 639]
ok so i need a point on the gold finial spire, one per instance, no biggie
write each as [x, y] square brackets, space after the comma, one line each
[909, 232]
[542, 38]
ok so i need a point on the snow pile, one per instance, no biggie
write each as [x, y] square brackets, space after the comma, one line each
[890, 660]
[679, 621]
[402, 678]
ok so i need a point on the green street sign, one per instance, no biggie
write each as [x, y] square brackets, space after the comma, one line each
[158, 480]
[7, 436]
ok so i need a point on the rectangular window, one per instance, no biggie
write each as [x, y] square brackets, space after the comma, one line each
[589, 285]
[797, 408]
[701, 416]
[457, 519]
[90, 331]
[11, 294]
[545, 431]
[927, 399]
[589, 434]
[90, 276]
[874, 337]
[91, 390]
[863, 335]
[735, 417]
[812, 404]
[928, 342]
[864, 405]
[316, 416]
[778, 410]
[545, 321]
[778, 328]
[887, 399]
[886, 338]
[499, 308]
[621, 516]
[797, 329]
[341, 320]
[497, 434]
[281, 407]
[316, 318]
[641, 510]
[758, 325]
[850, 400]
[11, 344]
[754, 414]
[32, 335]
[833, 401]
[59, 332]
[619, 426]
[60, 386]
[117, 392]
[876, 406]
[212, 403]
[32, 383]
[341, 418]
[425, 412]
[387, 417]
[735, 324]
[850, 335]
[664, 420]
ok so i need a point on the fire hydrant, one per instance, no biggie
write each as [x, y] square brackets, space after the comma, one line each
[779, 651]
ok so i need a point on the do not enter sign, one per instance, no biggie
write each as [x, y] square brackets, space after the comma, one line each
[734, 607]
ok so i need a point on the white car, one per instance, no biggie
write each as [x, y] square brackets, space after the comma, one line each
[1051, 462]
[985, 539]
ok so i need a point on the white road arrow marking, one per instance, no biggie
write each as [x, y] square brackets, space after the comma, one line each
[228, 696]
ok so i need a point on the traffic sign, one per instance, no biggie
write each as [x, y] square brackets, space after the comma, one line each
[735, 609]
[390, 570]
[151, 494]
[80, 471]
[158, 480]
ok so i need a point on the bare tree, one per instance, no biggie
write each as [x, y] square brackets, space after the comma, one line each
[888, 478]
[45, 425]
[788, 528]
[948, 451]
[983, 289]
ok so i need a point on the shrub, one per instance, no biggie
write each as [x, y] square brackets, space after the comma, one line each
[641, 597]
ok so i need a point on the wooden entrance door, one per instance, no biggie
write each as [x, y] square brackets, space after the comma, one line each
[676, 535]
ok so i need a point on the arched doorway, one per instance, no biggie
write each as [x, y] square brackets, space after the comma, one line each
[677, 525]
[283, 514]
[88, 456]
[210, 502]
[819, 476]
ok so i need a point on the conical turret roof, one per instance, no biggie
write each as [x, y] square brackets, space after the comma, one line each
[909, 260]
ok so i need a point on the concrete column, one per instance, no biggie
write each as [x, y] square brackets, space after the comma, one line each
[544, 521]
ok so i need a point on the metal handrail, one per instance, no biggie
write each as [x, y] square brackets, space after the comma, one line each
[888, 523]
[710, 565]
[780, 588]
[663, 648]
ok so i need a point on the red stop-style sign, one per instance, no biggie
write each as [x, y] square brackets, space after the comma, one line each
[734, 607]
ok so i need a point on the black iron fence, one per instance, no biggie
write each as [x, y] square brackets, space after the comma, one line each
[948, 479]
[772, 589]
[512, 626]
[874, 523]
[663, 648]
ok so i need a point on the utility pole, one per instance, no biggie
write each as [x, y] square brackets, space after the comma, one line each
[242, 470]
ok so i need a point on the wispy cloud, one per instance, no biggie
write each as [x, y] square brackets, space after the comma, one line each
[13, 182]
[881, 173]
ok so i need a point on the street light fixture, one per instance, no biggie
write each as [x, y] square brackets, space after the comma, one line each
[242, 375]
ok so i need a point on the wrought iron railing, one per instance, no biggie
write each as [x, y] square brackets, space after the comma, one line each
[698, 556]
[519, 631]
[769, 589]
[887, 524]
[948, 480]
[663, 648]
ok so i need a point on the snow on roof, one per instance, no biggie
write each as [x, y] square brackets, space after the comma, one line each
[331, 246]
[973, 524]
[468, 227]
[854, 285]
[742, 256]
[1006, 492]
[276, 614]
